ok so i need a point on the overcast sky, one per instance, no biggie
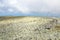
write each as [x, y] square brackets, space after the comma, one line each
[30, 7]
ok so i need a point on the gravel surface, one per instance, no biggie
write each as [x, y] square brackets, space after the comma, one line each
[29, 28]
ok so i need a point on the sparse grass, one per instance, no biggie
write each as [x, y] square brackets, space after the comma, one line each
[6, 18]
[57, 27]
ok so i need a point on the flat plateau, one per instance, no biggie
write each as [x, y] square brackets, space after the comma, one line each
[29, 28]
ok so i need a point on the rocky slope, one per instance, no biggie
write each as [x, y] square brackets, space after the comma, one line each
[29, 28]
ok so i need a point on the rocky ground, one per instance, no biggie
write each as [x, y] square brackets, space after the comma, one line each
[29, 28]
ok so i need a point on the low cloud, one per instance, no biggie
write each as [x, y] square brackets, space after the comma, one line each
[26, 6]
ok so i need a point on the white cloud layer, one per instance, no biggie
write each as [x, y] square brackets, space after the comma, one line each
[24, 6]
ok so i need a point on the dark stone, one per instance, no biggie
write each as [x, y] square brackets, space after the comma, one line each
[49, 39]
[47, 28]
